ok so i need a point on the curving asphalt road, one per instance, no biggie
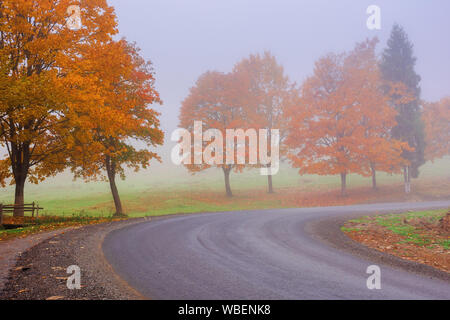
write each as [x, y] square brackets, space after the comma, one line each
[257, 255]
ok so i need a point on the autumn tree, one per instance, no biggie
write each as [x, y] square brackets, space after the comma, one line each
[215, 102]
[398, 65]
[269, 93]
[36, 48]
[437, 128]
[378, 149]
[342, 122]
[108, 136]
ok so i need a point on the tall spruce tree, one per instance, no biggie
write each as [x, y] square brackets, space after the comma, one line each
[397, 65]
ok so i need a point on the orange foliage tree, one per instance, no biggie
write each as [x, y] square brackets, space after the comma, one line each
[437, 128]
[106, 136]
[217, 102]
[379, 151]
[37, 50]
[269, 94]
[343, 120]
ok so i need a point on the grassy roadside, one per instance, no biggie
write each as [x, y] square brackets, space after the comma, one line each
[93, 209]
[157, 202]
[167, 190]
[23, 227]
[422, 237]
[163, 190]
[81, 212]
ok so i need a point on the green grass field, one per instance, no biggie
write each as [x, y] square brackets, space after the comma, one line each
[169, 189]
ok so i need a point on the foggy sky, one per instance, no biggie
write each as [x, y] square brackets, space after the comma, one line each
[184, 38]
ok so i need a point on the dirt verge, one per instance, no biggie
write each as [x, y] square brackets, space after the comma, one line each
[40, 273]
[329, 231]
[422, 237]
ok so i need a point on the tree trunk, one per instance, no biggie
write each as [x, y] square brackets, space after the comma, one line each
[111, 170]
[116, 197]
[20, 161]
[19, 194]
[374, 180]
[269, 182]
[407, 179]
[269, 166]
[226, 172]
[343, 184]
[374, 177]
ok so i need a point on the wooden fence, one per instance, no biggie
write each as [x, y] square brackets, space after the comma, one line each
[28, 207]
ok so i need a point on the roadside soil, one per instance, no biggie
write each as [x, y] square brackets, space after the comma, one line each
[417, 239]
[40, 273]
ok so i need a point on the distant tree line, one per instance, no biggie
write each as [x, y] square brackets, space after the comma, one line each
[357, 113]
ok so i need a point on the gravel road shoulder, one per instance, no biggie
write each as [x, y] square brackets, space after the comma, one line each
[11, 250]
[40, 272]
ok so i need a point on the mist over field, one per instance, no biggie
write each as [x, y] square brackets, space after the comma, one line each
[184, 39]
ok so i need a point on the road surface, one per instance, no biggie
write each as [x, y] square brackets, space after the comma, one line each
[257, 255]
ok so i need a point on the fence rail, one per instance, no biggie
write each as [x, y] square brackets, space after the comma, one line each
[27, 207]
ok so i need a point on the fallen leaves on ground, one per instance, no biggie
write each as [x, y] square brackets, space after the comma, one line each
[415, 236]
[22, 227]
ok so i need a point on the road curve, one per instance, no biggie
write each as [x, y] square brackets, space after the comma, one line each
[257, 255]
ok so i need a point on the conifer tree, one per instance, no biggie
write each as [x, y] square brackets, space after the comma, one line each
[398, 65]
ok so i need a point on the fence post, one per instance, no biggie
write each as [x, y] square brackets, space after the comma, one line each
[32, 211]
[1, 214]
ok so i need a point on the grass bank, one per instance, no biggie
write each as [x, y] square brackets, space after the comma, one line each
[165, 190]
[422, 237]
[22, 227]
